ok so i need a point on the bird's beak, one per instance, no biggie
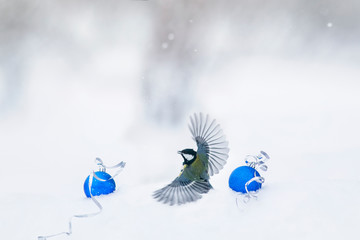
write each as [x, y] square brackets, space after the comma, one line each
[179, 152]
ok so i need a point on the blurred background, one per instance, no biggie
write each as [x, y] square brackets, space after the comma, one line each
[160, 48]
[119, 79]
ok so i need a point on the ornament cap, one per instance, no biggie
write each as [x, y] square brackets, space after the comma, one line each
[101, 165]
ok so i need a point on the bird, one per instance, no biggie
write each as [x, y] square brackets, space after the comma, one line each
[198, 166]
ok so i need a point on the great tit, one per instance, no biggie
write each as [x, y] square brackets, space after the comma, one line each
[198, 166]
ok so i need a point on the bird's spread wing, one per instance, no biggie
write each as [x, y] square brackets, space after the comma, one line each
[212, 146]
[181, 191]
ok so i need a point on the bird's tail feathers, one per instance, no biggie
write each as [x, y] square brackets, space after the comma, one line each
[181, 192]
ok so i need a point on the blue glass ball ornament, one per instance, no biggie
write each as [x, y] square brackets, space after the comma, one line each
[99, 187]
[240, 176]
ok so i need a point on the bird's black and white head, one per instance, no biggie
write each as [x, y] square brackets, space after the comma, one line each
[189, 156]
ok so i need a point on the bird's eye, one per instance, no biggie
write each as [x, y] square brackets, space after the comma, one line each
[188, 156]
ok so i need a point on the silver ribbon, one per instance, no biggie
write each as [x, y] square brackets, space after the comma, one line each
[93, 175]
[256, 162]
[103, 168]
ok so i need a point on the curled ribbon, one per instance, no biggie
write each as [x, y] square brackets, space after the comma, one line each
[102, 167]
[256, 162]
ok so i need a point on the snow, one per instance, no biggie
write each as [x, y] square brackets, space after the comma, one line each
[309, 127]
[171, 36]
[302, 109]
[164, 45]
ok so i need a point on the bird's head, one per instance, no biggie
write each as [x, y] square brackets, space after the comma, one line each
[189, 156]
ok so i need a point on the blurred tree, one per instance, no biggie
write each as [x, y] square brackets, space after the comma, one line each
[185, 38]
[15, 25]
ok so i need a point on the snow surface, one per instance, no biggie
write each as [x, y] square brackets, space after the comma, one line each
[308, 125]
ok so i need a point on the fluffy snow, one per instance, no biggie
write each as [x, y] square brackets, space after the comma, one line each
[304, 115]
[302, 109]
